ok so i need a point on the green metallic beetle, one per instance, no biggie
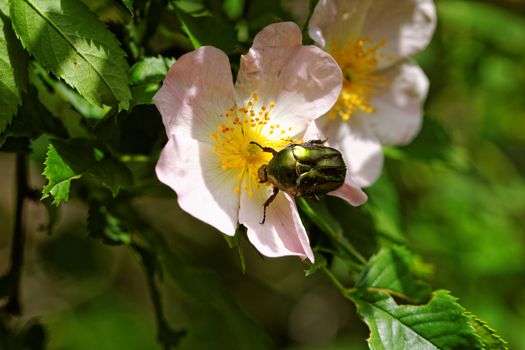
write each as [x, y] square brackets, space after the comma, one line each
[308, 169]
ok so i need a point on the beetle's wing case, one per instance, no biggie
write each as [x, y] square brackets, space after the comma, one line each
[281, 170]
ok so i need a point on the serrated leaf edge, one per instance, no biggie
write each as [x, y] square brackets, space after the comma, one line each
[123, 104]
[453, 300]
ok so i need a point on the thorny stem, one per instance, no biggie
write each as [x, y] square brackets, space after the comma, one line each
[14, 274]
[342, 289]
[354, 265]
[336, 236]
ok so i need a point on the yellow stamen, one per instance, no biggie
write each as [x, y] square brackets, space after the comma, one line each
[359, 61]
[232, 141]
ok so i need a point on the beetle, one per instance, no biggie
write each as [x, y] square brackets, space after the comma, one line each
[304, 169]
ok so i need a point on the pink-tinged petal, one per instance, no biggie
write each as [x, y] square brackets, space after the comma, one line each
[361, 150]
[339, 20]
[398, 115]
[282, 233]
[196, 91]
[203, 189]
[351, 194]
[407, 26]
[302, 81]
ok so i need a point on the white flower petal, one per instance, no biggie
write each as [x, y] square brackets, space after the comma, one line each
[351, 194]
[283, 233]
[407, 26]
[303, 81]
[361, 150]
[340, 20]
[196, 91]
[398, 115]
[203, 189]
[313, 133]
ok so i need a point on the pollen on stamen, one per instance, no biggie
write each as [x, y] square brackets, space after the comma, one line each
[359, 62]
[233, 137]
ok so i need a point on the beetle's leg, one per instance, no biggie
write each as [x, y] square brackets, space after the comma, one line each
[317, 142]
[267, 203]
[265, 149]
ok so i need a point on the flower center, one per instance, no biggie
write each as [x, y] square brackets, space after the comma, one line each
[242, 125]
[359, 61]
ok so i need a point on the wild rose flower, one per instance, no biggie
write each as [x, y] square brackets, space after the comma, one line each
[209, 162]
[383, 91]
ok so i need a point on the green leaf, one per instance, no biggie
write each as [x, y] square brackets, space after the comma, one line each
[68, 160]
[32, 120]
[395, 270]
[146, 77]
[150, 70]
[4, 7]
[103, 225]
[320, 262]
[66, 38]
[440, 324]
[383, 206]
[129, 5]
[13, 70]
[208, 30]
[491, 341]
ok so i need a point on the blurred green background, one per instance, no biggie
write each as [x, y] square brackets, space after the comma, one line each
[457, 194]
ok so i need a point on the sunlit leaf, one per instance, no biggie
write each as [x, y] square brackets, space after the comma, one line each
[394, 270]
[13, 70]
[68, 160]
[440, 324]
[208, 30]
[66, 38]
[491, 340]
[146, 77]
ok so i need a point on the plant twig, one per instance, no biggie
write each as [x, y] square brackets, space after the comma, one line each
[13, 276]
[335, 235]
[342, 289]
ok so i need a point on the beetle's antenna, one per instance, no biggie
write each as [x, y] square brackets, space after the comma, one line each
[265, 149]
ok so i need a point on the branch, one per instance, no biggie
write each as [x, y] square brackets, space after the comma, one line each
[12, 279]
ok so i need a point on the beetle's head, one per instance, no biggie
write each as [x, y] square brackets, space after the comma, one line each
[262, 174]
